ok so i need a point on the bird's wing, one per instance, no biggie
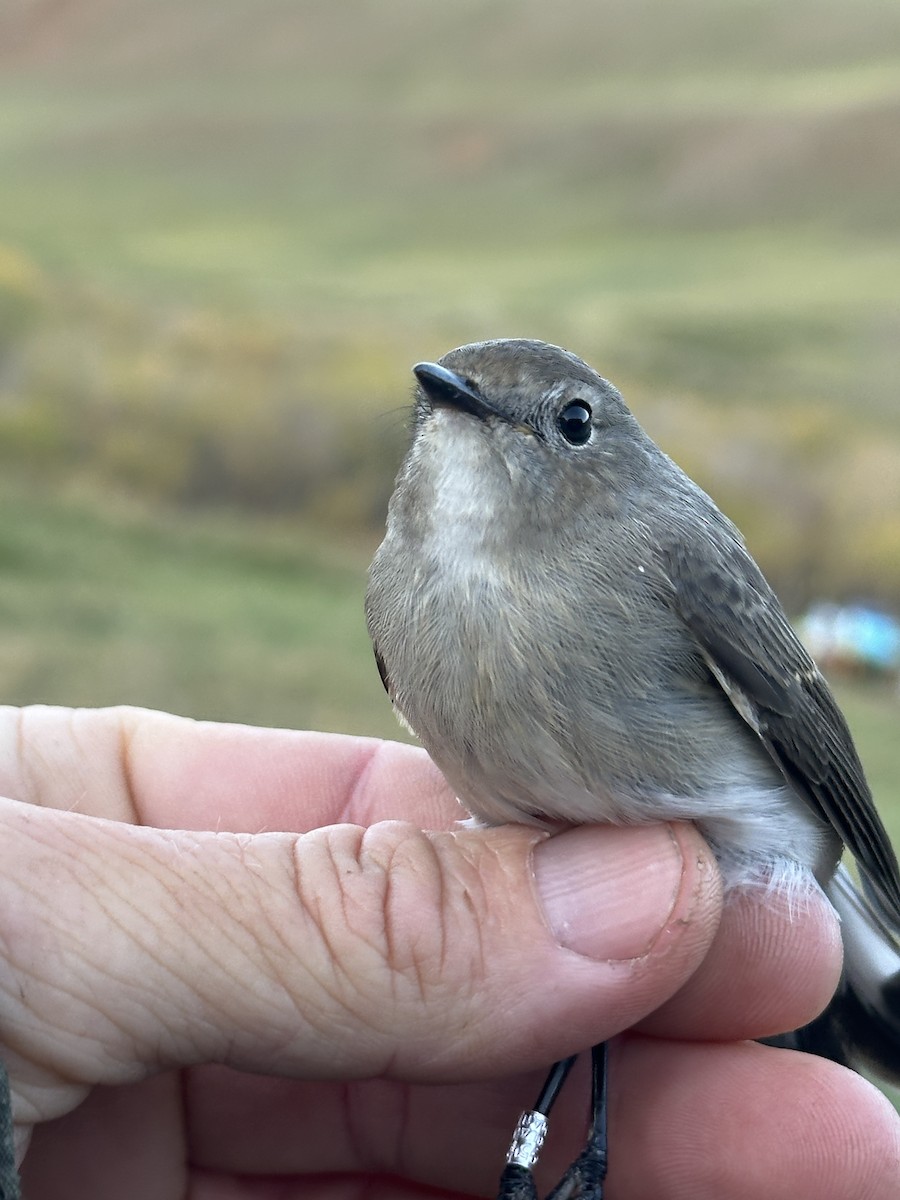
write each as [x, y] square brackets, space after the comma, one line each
[773, 683]
[383, 674]
[389, 688]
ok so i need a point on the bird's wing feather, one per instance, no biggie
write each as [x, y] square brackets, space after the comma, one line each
[773, 683]
[383, 672]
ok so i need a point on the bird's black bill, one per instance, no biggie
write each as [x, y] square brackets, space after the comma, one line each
[446, 389]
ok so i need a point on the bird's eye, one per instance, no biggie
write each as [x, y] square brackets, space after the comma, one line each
[574, 422]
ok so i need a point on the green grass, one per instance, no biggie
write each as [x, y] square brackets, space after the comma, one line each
[228, 229]
[223, 619]
[475, 167]
[873, 713]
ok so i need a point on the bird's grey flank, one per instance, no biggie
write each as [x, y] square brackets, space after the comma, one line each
[576, 633]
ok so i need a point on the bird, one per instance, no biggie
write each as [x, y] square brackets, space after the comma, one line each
[576, 633]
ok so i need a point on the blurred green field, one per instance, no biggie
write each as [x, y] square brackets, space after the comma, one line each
[227, 229]
[227, 618]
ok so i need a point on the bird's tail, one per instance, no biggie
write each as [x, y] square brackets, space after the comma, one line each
[861, 1025]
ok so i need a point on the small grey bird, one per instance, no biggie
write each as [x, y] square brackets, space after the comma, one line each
[577, 634]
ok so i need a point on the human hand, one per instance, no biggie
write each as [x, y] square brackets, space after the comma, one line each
[195, 1007]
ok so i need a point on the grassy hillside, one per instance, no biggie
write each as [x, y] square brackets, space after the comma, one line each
[652, 167]
[227, 229]
[220, 618]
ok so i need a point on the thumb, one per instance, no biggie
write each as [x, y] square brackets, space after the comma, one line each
[346, 952]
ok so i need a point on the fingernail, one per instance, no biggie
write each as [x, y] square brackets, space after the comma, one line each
[609, 892]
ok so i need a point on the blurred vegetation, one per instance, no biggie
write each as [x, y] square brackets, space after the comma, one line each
[227, 229]
[219, 616]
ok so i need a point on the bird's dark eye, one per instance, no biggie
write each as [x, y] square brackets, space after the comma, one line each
[574, 422]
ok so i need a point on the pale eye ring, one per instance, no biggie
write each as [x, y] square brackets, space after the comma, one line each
[574, 422]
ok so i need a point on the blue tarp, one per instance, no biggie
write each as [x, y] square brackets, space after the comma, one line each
[852, 635]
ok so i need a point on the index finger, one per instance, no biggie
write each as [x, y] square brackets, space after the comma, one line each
[150, 768]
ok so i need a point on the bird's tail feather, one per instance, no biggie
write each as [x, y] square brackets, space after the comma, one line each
[861, 1025]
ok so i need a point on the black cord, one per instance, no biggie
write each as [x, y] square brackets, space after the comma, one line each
[584, 1178]
[553, 1085]
[9, 1176]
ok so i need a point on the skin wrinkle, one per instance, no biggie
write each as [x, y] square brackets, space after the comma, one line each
[395, 1151]
[206, 983]
[199, 983]
[282, 949]
[231, 904]
[356, 1005]
[144, 926]
[441, 904]
[403, 958]
[403, 1126]
[474, 884]
[209, 988]
[391, 946]
[378, 863]
[410, 956]
[461, 957]
[46, 1089]
[354, 1127]
[327, 965]
[414, 948]
[35, 774]
[140, 931]
[315, 1017]
[354, 998]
